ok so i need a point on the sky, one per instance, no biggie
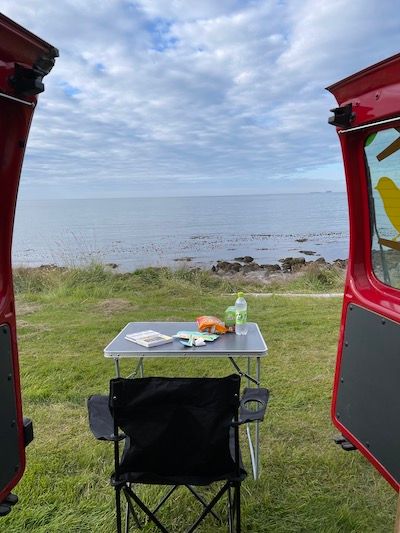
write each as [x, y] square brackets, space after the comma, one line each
[195, 97]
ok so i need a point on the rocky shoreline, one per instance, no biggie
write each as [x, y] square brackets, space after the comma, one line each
[245, 266]
[288, 265]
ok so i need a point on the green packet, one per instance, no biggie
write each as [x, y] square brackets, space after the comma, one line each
[196, 335]
[230, 318]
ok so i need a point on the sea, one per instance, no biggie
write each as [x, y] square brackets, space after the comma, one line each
[195, 231]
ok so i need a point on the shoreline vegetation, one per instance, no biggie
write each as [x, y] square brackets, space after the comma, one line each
[65, 318]
[291, 275]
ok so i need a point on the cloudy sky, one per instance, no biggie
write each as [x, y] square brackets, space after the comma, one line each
[186, 97]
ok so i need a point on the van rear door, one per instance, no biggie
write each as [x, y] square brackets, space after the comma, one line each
[366, 399]
[24, 61]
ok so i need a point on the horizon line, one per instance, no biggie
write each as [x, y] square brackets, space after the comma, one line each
[180, 196]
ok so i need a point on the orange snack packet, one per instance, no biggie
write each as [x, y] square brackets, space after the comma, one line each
[212, 324]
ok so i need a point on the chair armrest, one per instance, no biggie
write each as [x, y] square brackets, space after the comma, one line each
[100, 419]
[261, 396]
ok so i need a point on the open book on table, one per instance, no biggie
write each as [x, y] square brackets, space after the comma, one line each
[149, 338]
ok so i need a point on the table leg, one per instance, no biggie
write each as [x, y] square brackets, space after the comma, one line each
[254, 444]
[252, 448]
[257, 444]
[138, 369]
[241, 373]
[127, 514]
[117, 369]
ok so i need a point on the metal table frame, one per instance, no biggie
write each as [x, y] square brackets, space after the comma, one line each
[231, 346]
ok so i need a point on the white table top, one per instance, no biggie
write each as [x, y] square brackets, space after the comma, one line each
[250, 345]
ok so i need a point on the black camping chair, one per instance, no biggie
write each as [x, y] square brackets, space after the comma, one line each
[178, 432]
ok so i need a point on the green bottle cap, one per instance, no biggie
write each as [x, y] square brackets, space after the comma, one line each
[240, 294]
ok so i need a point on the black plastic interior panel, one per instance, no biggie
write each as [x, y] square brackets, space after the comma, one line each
[368, 401]
[9, 453]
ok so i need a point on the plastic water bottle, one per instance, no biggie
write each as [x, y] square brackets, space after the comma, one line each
[241, 315]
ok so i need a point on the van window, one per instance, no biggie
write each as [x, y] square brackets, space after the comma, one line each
[382, 154]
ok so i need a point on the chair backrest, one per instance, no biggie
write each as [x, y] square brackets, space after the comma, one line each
[176, 427]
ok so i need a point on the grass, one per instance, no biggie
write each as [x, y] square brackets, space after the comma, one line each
[65, 319]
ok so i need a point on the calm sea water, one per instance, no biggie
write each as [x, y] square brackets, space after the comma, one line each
[138, 232]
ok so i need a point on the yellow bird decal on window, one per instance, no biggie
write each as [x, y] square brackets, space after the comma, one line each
[390, 195]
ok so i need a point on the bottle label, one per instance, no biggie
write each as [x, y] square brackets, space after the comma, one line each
[241, 318]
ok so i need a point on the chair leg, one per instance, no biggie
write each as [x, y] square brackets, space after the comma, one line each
[130, 510]
[207, 509]
[230, 511]
[165, 498]
[145, 509]
[202, 501]
[237, 501]
[118, 508]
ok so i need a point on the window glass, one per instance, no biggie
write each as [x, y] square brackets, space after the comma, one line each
[382, 151]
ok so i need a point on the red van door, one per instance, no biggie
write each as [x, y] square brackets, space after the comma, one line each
[366, 400]
[24, 61]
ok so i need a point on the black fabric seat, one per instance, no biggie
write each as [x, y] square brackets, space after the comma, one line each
[178, 431]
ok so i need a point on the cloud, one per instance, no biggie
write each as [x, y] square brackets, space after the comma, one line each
[188, 10]
[171, 97]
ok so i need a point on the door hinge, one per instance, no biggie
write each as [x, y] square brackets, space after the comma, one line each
[342, 116]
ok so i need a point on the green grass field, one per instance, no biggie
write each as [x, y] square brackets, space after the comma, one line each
[66, 318]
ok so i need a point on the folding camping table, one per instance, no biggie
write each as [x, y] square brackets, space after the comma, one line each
[229, 346]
